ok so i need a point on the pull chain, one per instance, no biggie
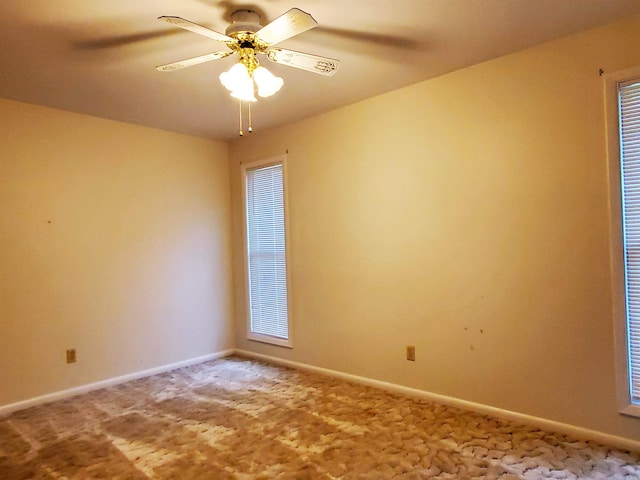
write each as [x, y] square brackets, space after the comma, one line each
[240, 117]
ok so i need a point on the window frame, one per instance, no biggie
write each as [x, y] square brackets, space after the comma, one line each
[618, 267]
[245, 167]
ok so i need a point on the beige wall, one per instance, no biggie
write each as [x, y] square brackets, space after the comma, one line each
[114, 240]
[466, 215]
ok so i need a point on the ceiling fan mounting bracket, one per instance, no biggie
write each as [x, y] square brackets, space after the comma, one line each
[243, 21]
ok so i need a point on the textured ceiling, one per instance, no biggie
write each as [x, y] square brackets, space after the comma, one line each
[98, 57]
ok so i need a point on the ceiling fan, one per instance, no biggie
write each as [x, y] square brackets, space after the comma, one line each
[248, 39]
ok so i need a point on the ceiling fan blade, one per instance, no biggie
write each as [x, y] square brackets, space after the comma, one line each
[304, 61]
[189, 62]
[288, 25]
[124, 40]
[195, 28]
[378, 39]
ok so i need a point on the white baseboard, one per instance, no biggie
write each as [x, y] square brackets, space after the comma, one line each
[542, 423]
[32, 402]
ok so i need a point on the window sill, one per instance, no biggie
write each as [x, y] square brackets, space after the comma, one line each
[279, 342]
[631, 410]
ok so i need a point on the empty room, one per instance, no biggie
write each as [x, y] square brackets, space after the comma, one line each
[320, 240]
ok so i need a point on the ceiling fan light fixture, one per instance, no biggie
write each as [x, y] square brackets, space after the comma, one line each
[245, 94]
[238, 82]
[238, 73]
[268, 84]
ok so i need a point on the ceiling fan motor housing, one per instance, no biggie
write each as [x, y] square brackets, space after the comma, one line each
[243, 21]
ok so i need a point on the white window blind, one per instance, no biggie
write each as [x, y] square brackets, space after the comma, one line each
[266, 252]
[629, 110]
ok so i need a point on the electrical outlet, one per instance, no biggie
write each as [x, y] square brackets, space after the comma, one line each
[71, 355]
[411, 353]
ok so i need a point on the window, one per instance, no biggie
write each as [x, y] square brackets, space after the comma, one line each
[266, 252]
[623, 122]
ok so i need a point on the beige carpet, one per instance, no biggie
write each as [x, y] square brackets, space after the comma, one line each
[239, 419]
